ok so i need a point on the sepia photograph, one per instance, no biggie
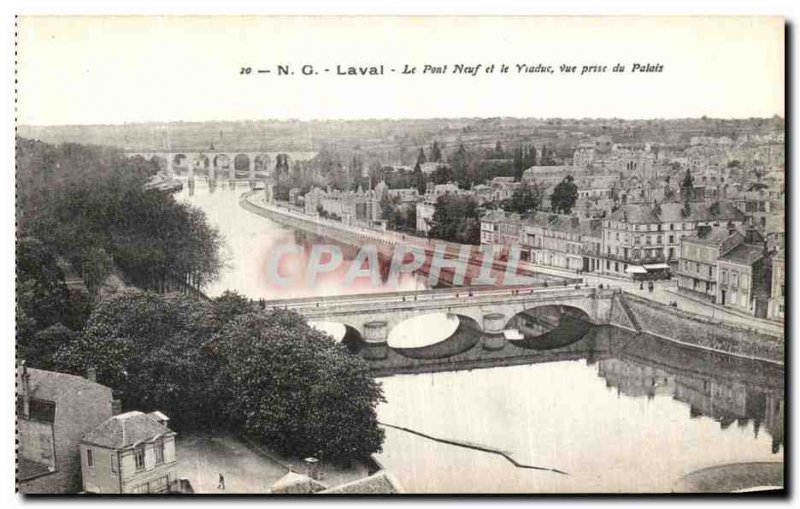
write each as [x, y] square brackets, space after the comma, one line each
[393, 255]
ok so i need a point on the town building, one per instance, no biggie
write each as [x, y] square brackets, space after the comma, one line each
[427, 206]
[132, 452]
[54, 411]
[745, 279]
[778, 287]
[643, 241]
[697, 269]
[350, 207]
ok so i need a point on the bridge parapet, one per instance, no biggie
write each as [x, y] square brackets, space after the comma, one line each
[357, 310]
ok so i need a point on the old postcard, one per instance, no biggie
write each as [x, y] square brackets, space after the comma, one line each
[400, 255]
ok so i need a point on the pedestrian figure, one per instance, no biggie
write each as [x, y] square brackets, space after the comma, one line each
[650, 286]
[221, 485]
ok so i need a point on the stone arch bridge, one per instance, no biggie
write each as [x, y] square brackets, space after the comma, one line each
[374, 315]
[214, 163]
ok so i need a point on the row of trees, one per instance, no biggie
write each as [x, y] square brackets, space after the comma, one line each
[227, 363]
[347, 170]
[84, 210]
[457, 218]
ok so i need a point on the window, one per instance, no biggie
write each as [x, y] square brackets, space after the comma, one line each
[159, 452]
[724, 276]
[42, 410]
[672, 239]
[671, 226]
[90, 458]
[114, 460]
[734, 279]
[139, 456]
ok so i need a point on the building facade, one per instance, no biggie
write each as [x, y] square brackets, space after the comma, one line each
[130, 453]
[777, 303]
[54, 411]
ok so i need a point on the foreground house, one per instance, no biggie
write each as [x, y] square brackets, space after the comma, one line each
[54, 411]
[132, 452]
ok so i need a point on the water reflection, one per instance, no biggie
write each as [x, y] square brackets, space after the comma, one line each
[619, 412]
[250, 239]
[632, 413]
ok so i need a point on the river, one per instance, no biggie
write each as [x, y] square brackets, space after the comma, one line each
[638, 414]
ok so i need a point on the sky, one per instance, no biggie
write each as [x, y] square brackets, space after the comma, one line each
[113, 70]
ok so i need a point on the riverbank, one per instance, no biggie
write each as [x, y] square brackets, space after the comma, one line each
[691, 323]
[704, 332]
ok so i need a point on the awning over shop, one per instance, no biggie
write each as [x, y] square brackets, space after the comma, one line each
[635, 269]
[656, 266]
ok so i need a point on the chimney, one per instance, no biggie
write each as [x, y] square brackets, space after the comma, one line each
[25, 390]
[312, 465]
[91, 374]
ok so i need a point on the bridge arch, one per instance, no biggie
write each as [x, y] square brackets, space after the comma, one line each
[434, 335]
[159, 160]
[262, 162]
[201, 161]
[242, 162]
[346, 335]
[548, 326]
[221, 161]
[180, 160]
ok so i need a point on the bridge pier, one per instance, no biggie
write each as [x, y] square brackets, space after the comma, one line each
[493, 325]
[375, 334]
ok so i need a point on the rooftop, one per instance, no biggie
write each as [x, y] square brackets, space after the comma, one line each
[52, 385]
[743, 254]
[296, 483]
[27, 469]
[126, 430]
[379, 483]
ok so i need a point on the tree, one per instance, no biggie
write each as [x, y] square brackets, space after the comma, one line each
[498, 151]
[456, 218]
[436, 153]
[564, 195]
[525, 199]
[442, 175]
[421, 159]
[547, 157]
[688, 180]
[458, 163]
[151, 350]
[296, 390]
[419, 179]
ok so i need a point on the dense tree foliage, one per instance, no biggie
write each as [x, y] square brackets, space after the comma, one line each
[227, 363]
[525, 199]
[90, 206]
[564, 195]
[296, 390]
[46, 311]
[456, 218]
[85, 211]
[150, 349]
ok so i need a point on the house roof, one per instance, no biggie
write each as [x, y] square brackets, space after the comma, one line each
[723, 211]
[674, 213]
[379, 483]
[126, 430]
[27, 469]
[743, 254]
[715, 237]
[635, 214]
[296, 483]
[52, 386]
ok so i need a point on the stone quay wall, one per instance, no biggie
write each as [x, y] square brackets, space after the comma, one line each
[702, 331]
